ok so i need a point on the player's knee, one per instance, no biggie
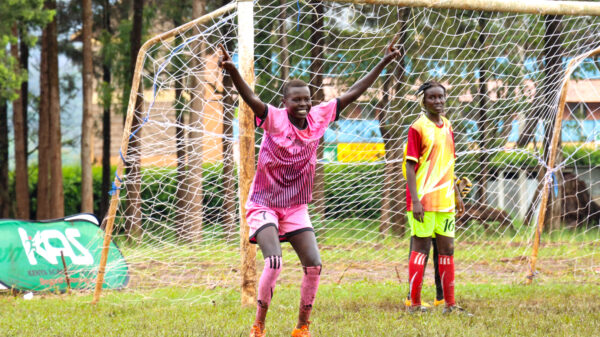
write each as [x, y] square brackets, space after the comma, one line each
[312, 270]
[274, 262]
[447, 250]
[312, 261]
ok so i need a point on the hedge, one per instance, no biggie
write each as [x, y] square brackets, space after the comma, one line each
[351, 189]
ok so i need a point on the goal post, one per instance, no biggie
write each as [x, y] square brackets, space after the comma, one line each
[109, 219]
[548, 180]
[492, 65]
[246, 174]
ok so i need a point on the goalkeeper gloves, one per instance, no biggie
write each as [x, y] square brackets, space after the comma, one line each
[464, 186]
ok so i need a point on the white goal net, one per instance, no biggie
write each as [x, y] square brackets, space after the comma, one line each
[177, 221]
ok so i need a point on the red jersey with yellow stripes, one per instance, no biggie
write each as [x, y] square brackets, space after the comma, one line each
[431, 146]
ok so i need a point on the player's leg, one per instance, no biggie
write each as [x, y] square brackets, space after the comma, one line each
[268, 241]
[416, 268]
[296, 227]
[439, 292]
[263, 223]
[408, 302]
[305, 245]
[421, 233]
[444, 233]
[446, 267]
[410, 247]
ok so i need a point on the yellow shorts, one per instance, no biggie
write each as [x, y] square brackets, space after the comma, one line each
[440, 223]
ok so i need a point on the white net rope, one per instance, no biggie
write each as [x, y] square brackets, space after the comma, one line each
[502, 73]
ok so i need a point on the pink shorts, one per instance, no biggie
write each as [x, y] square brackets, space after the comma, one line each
[288, 221]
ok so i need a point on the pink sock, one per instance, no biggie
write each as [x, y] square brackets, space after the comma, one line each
[266, 284]
[308, 290]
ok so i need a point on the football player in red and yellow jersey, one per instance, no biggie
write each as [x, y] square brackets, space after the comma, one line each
[430, 195]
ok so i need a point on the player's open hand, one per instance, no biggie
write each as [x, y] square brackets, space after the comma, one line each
[391, 52]
[225, 61]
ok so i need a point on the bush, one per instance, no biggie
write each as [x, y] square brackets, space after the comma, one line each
[344, 200]
[352, 190]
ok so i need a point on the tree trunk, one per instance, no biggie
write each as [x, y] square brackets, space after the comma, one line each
[482, 118]
[284, 60]
[133, 182]
[87, 196]
[181, 191]
[316, 82]
[393, 199]
[230, 211]
[557, 192]
[19, 126]
[180, 148]
[133, 211]
[4, 196]
[550, 87]
[107, 101]
[57, 204]
[43, 190]
[550, 84]
[193, 179]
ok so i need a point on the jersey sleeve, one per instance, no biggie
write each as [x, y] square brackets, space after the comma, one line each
[271, 121]
[326, 112]
[453, 143]
[413, 146]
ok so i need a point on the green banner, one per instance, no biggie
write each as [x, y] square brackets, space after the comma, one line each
[30, 255]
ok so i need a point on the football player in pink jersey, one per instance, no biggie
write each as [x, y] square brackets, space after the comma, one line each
[277, 207]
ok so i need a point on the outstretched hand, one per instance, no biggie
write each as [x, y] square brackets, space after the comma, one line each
[225, 61]
[391, 52]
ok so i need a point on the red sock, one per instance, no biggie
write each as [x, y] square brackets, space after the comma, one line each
[446, 267]
[416, 266]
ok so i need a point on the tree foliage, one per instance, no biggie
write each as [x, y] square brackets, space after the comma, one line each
[23, 14]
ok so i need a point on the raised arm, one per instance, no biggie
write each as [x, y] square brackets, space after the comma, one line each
[364, 83]
[242, 87]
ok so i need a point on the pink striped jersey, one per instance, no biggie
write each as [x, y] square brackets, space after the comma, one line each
[288, 156]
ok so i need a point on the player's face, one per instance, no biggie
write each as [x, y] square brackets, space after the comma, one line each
[297, 102]
[434, 100]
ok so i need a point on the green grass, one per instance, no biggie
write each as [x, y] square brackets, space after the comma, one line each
[353, 309]
[360, 293]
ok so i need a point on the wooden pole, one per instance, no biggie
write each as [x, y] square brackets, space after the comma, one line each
[246, 166]
[541, 7]
[109, 219]
[62, 257]
[551, 159]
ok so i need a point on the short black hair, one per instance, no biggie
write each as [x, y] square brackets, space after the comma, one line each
[295, 83]
[429, 85]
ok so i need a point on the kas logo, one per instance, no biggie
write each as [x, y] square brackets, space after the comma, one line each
[40, 244]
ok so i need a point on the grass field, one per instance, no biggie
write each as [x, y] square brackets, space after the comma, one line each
[193, 290]
[353, 309]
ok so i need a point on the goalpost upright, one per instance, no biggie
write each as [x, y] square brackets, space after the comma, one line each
[109, 220]
[548, 177]
[246, 130]
[246, 169]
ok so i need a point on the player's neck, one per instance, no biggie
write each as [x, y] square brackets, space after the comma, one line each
[434, 117]
[299, 123]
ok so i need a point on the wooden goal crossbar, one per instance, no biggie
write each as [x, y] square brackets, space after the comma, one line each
[541, 7]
